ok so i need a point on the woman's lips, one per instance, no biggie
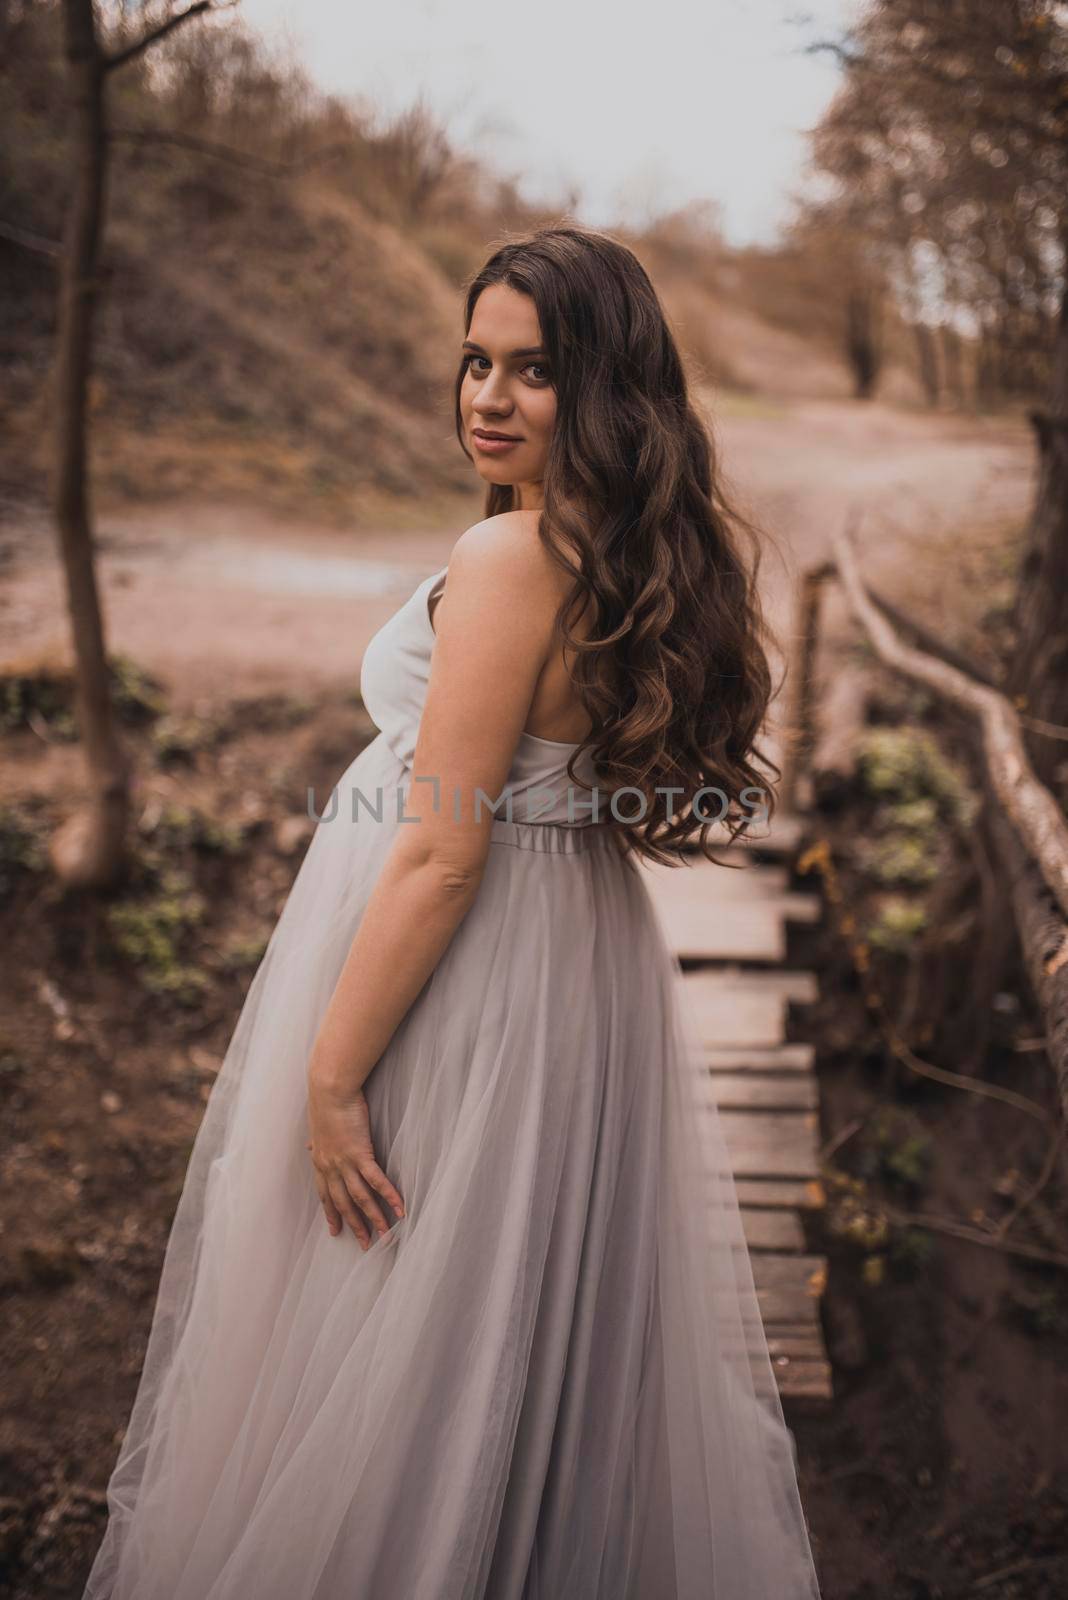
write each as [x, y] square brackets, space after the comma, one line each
[493, 447]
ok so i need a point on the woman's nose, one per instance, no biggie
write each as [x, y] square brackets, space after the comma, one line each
[490, 398]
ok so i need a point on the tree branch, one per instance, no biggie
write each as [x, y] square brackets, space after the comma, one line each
[30, 241]
[120, 58]
[929, 641]
[1011, 112]
[844, 57]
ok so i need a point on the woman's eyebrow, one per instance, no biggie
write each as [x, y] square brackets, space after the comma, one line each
[531, 350]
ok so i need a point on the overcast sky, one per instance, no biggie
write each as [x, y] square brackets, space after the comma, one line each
[642, 105]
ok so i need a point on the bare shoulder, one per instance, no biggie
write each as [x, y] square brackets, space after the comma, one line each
[503, 557]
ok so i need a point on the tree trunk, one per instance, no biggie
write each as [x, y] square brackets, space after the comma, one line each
[985, 395]
[953, 366]
[1039, 670]
[927, 356]
[862, 340]
[88, 851]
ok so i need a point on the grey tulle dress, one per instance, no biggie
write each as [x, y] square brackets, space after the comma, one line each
[549, 1380]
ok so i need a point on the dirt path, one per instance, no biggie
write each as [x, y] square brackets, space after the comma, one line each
[221, 601]
[916, 477]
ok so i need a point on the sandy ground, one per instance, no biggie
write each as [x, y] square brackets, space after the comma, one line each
[230, 600]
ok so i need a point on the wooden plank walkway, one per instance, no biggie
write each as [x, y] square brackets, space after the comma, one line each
[765, 1087]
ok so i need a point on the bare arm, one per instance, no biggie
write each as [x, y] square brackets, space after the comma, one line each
[494, 628]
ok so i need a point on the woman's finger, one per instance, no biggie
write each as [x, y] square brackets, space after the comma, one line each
[378, 1180]
[363, 1197]
[343, 1200]
[333, 1217]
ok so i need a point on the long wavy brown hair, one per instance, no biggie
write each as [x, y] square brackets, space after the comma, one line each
[674, 674]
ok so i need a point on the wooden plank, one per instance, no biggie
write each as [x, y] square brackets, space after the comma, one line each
[733, 1009]
[739, 1008]
[768, 1092]
[733, 932]
[793, 1057]
[799, 1340]
[788, 983]
[802, 908]
[804, 1380]
[696, 880]
[722, 1016]
[808, 1382]
[776, 1193]
[806, 1274]
[785, 1303]
[789, 1288]
[761, 1146]
[713, 886]
[741, 930]
[773, 1230]
[708, 913]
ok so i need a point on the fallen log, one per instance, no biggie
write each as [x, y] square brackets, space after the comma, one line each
[1035, 813]
[1029, 829]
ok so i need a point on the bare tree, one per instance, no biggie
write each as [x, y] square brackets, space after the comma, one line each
[955, 112]
[862, 338]
[89, 848]
[944, 147]
[825, 279]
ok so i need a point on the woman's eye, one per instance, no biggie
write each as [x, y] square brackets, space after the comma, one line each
[538, 368]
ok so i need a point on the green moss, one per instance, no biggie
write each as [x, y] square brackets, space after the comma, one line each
[900, 1151]
[136, 695]
[904, 764]
[21, 847]
[182, 827]
[244, 953]
[897, 923]
[26, 697]
[47, 695]
[150, 933]
[271, 712]
[901, 857]
[874, 1270]
[178, 739]
[858, 1221]
[908, 1163]
[915, 816]
[1043, 1312]
[911, 1250]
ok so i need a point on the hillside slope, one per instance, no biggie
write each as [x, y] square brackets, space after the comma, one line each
[253, 332]
[282, 287]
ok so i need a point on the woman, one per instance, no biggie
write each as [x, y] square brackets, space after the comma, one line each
[484, 1324]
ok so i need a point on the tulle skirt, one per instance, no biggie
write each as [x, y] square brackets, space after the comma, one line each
[549, 1380]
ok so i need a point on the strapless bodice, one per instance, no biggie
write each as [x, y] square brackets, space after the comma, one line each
[393, 682]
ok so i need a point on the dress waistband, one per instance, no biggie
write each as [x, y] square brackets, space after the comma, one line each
[557, 838]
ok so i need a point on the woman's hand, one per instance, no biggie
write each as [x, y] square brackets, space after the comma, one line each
[346, 1172]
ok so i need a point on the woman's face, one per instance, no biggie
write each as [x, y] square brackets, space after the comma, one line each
[507, 390]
